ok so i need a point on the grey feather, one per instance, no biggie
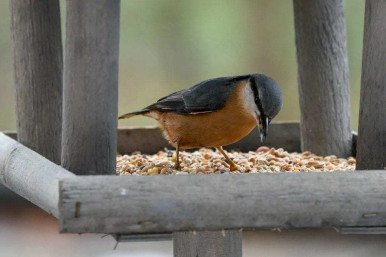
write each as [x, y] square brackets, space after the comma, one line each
[206, 96]
[269, 94]
[211, 95]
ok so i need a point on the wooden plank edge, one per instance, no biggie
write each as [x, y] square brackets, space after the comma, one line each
[122, 238]
[149, 139]
[119, 238]
[362, 230]
[163, 204]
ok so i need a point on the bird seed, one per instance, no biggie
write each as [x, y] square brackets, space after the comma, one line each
[207, 161]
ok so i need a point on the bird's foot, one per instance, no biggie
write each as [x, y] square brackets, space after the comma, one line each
[234, 167]
[177, 166]
[237, 168]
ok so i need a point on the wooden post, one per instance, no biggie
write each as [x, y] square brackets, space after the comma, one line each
[90, 106]
[37, 50]
[371, 153]
[323, 77]
[208, 243]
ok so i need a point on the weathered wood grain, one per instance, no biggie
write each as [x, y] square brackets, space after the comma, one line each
[161, 204]
[324, 91]
[91, 86]
[30, 175]
[372, 114]
[208, 243]
[38, 64]
[149, 140]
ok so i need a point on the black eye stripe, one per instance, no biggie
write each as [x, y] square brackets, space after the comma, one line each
[257, 99]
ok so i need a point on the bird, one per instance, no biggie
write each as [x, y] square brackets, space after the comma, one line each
[216, 112]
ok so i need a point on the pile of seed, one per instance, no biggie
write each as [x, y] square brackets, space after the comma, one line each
[208, 161]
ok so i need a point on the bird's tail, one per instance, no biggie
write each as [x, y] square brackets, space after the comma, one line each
[131, 114]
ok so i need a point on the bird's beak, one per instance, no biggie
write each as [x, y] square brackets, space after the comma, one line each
[263, 127]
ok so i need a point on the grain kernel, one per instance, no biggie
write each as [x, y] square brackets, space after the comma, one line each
[262, 149]
[286, 167]
[153, 171]
[351, 161]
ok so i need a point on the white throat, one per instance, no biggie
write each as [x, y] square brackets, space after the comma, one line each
[249, 101]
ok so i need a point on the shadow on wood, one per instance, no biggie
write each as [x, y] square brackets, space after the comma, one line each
[221, 243]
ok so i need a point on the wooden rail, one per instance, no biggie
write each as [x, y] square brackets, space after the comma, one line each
[159, 204]
[149, 139]
[30, 175]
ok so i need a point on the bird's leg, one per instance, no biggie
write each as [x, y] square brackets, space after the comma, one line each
[177, 166]
[232, 165]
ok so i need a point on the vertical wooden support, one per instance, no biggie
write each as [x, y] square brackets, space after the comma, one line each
[90, 106]
[323, 77]
[208, 244]
[37, 49]
[371, 148]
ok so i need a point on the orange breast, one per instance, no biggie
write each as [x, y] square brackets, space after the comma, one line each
[218, 128]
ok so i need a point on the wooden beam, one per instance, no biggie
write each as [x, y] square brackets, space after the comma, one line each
[372, 117]
[149, 140]
[37, 52]
[221, 243]
[91, 86]
[30, 175]
[162, 204]
[324, 91]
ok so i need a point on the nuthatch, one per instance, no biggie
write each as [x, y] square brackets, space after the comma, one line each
[216, 112]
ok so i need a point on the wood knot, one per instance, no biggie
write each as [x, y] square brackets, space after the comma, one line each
[77, 210]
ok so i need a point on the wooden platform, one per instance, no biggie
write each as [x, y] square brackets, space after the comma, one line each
[153, 206]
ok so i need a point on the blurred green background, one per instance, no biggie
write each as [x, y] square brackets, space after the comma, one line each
[166, 46]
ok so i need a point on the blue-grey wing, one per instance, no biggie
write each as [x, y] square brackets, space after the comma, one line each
[207, 96]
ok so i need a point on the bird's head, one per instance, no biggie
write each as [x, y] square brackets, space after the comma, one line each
[268, 99]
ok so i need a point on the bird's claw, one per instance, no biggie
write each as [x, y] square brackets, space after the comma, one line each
[177, 166]
[234, 167]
